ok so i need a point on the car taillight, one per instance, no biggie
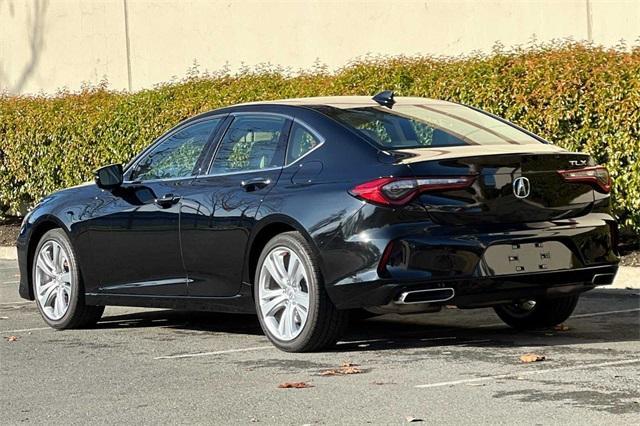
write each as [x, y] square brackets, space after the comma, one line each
[390, 191]
[597, 176]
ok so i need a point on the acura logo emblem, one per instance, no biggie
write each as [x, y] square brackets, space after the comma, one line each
[521, 187]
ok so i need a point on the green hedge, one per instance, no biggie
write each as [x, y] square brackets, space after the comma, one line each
[581, 97]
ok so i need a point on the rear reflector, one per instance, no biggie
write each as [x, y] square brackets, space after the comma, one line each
[390, 191]
[597, 176]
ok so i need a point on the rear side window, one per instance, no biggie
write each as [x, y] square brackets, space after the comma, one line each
[252, 142]
[437, 125]
[301, 141]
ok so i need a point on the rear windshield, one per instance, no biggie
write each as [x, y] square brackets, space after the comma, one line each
[418, 126]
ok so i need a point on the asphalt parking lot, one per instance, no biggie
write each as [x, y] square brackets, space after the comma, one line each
[159, 366]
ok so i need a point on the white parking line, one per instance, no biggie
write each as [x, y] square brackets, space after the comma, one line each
[528, 373]
[23, 330]
[597, 314]
[9, 269]
[228, 351]
[592, 314]
[10, 282]
[26, 302]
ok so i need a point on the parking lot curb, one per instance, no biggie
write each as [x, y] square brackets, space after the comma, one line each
[627, 277]
[8, 253]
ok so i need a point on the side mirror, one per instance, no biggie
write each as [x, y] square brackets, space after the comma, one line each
[109, 177]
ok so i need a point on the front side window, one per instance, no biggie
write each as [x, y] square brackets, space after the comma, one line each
[177, 155]
[301, 141]
[252, 142]
[436, 125]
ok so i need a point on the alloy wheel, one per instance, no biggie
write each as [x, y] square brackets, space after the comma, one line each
[283, 293]
[53, 280]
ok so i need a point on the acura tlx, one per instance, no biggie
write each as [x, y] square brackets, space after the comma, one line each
[306, 211]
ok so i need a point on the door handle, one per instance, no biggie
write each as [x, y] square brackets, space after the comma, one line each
[255, 184]
[167, 200]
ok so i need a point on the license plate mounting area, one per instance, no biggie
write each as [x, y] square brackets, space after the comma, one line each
[518, 258]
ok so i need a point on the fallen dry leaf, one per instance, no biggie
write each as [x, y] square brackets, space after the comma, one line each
[11, 338]
[561, 327]
[294, 385]
[411, 419]
[532, 358]
[342, 371]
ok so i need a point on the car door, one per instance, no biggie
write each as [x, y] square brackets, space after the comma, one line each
[138, 240]
[219, 211]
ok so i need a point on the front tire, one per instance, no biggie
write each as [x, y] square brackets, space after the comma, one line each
[57, 284]
[537, 314]
[293, 307]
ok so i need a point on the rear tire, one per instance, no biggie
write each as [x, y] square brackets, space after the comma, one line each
[57, 284]
[315, 326]
[543, 313]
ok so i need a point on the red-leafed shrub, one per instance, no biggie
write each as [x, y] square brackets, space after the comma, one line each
[580, 97]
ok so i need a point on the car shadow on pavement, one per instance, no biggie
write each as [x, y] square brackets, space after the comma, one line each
[602, 316]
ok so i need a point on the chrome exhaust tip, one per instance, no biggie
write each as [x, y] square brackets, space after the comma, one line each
[602, 279]
[426, 296]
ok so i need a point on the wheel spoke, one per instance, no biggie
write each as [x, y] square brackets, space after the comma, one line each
[302, 314]
[64, 300]
[273, 271]
[55, 258]
[46, 294]
[290, 313]
[58, 305]
[45, 264]
[302, 299]
[271, 307]
[65, 277]
[46, 287]
[294, 267]
[278, 262]
[284, 318]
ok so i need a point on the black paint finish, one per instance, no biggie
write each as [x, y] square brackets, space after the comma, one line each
[198, 249]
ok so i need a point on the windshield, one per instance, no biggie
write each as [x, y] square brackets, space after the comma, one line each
[418, 126]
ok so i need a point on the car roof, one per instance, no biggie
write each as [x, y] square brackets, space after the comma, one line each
[344, 102]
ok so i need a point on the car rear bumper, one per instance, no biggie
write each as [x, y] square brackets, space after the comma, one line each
[484, 265]
[475, 292]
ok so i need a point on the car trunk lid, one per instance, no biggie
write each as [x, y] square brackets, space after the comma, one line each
[513, 185]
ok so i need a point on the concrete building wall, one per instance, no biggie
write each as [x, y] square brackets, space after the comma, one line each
[49, 44]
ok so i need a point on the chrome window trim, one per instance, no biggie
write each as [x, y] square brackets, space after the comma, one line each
[269, 169]
[314, 132]
[175, 129]
[142, 182]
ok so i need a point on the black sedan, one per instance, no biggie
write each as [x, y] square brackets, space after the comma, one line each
[306, 210]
